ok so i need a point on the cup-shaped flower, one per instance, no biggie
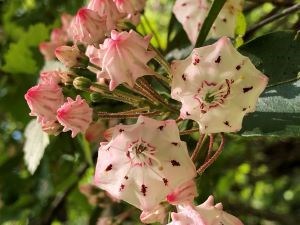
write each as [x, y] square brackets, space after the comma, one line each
[158, 214]
[44, 99]
[75, 115]
[204, 214]
[192, 13]
[107, 9]
[130, 6]
[88, 27]
[185, 193]
[143, 162]
[217, 86]
[123, 58]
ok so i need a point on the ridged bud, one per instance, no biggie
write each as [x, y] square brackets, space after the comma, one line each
[82, 83]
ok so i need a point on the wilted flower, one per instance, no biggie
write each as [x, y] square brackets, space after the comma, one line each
[184, 193]
[143, 162]
[192, 13]
[217, 86]
[44, 99]
[204, 214]
[124, 57]
[158, 214]
[75, 115]
[88, 27]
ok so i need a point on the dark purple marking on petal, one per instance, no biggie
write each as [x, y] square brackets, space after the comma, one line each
[183, 77]
[161, 127]
[126, 177]
[187, 113]
[196, 60]
[184, 4]
[122, 186]
[224, 20]
[144, 189]
[227, 123]
[121, 130]
[165, 181]
[244, 109]
[218, 60]
[246, 89]
[175, 163]
[128, 154]
[108, 168]
[175, 143]
[238, 67]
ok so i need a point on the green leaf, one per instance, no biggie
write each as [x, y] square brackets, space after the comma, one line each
[85, 146]
[275, 54]
[278, 112]
[209, 20]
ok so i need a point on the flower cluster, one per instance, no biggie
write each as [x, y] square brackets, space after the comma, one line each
[146, 163]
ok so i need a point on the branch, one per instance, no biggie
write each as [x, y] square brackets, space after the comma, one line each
[274, 2]
[283, 13]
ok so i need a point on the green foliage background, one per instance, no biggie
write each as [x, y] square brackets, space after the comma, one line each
[257, 177]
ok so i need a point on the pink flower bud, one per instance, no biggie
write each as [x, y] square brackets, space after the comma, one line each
[66, 20]
[58, 36]
[44, 99]
[204, 214]
[184, 193]
[47, 50]
[88, 27]
[75, 115]
[107, 9]
[130, 6]
[143, 162]
[70, 56]
[217, 86]
[50, 76]
[124, 57]
[158, 214]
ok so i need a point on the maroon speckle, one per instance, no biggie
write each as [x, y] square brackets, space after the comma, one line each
[187, 17]
[161, 127]
[108, 168]
[187, 113]
[175, 143]
[121, 130]
[196, 61]
[122, 186]
[128, 154]
[218, 60]
[175, 163]
[244, 109]
[238, 67]
[203, 111]
[165, 181]
[183, 4]
[144, 189]
[246, 89]
[227, 123]
[126, 177]
[183, 77]
[224, 20]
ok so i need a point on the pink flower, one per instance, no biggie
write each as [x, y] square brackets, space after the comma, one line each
[158, 214]
[143, 162]
[75, 115]
[70, 56]
[50, 76]
[47, 50]
[217, 86]
[192, 13]
[51, 127]
[184, 193]
[107, 9]
[88, 27]
[44, 99]
[66, 20]
[204, 214]
[130, 6]
[124, 57]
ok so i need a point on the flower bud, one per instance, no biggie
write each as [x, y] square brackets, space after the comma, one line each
[82, 83]
[69, 55]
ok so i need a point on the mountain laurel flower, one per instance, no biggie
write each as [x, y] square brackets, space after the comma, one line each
[184, 193]
[75, 115]
[44, 99]
[192, 13]
[50, 76]
[204, 214]
[88, 27]
[130, 6]
[143, 162]
[158, 214]
[108, 10]
[217, 86]
[70, 56]
[123, 58]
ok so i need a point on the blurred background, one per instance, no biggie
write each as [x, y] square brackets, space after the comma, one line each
[257, 179]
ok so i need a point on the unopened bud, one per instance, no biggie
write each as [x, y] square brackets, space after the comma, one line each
[96, 97]
[82, 83]
[71, 56]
